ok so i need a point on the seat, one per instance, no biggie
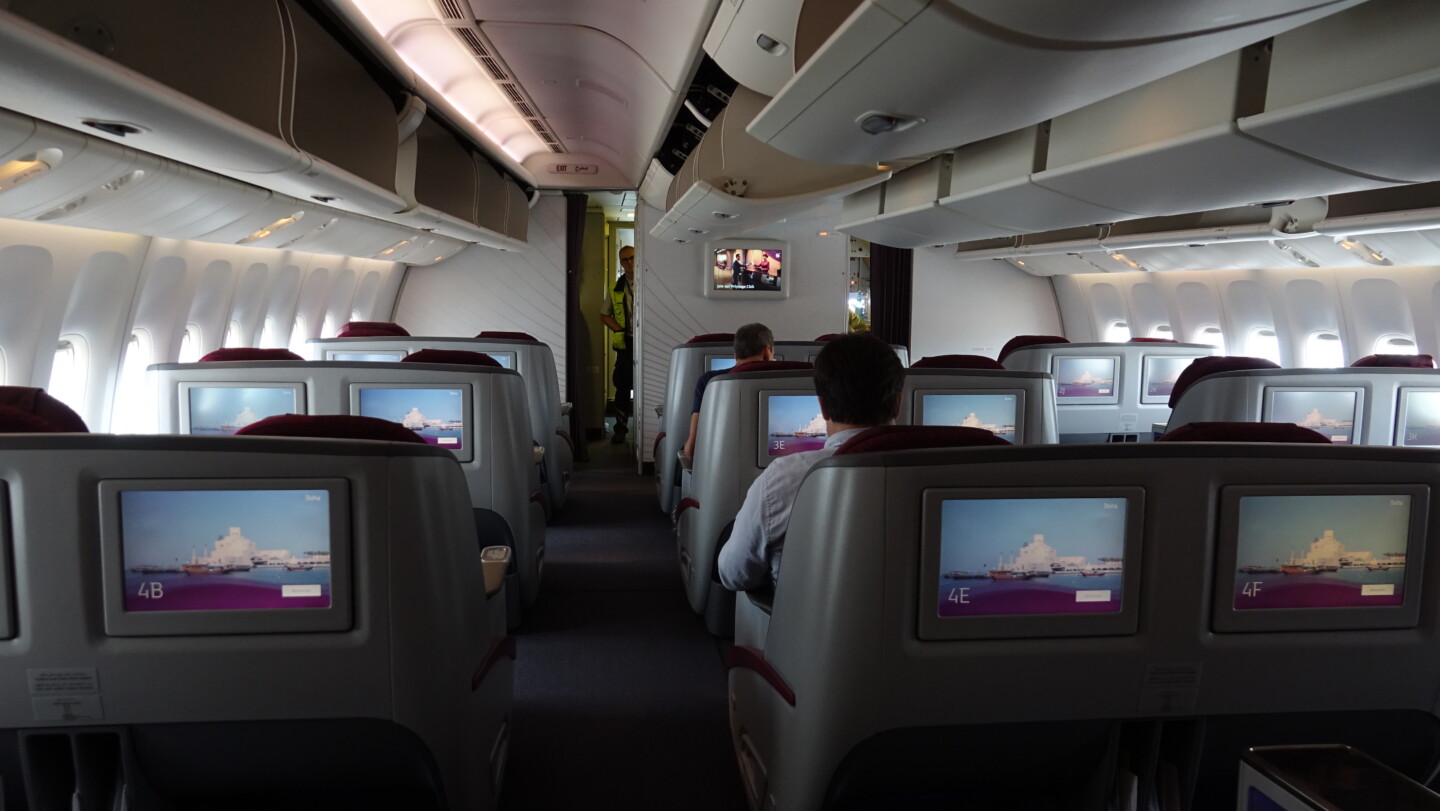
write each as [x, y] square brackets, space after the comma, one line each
[331, 426]
[1021, 341]
[508, 336]
[1017, 406]
[1402, 361]
[687, 362]
[239, 353]
[370, 329]
[30, 410]
[956, 362]
[1215, 365]
[849, 697]
[403, 703]
[1242, 432]
[456, 356]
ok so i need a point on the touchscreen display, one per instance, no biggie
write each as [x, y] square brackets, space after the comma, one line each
[437, 415]
[990, 412]
[716, 364]
[1422, 419]
[795, 424]
[1084, 377]
[1161, 372]
[227, 409]
[1332, 413]
[368, 357]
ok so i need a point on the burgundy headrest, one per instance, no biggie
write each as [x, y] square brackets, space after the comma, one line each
[463, 357]
[1201, 367]
[1242, 432]
[1028, 340]
[713, 338]
[29, 410]
[829, 336]
[956, 362]
[330, 426]
[371, 329]
[249, 353]
[771, 366]
[909, 437]
[511, 336]
[1153, 341]
[1401, 361]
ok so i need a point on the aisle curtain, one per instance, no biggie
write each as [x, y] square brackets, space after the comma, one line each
[892, 272]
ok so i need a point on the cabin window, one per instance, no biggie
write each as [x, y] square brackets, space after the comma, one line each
[1396, 345]
[2, 366]
[190, 344]
[1117, 332]
[1162, 331]
[297, 336]
[1324, 350]
[327, 329]
[67, 374]
[268, 338]
[1263, 343]
[1212, 336]
[135, 406]
[232, 335]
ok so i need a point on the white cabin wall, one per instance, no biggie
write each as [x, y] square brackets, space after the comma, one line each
[973, 308]
[486, 289]
[673, 309]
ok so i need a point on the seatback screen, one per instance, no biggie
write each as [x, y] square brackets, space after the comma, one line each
[223, 410]
[795, 424]
[1018, 556]
[505, 359]
[1421, 424]
[1331, 413]
[225, 550]
[367, 357]
[996, 413]
[1085, 379]
[1321, 551]
[1159, 376]
[436, 414]
[716, 364]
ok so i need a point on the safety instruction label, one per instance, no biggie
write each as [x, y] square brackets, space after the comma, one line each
[65, 694]
[1170, 688]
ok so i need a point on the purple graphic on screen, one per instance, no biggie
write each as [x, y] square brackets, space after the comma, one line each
[1161, 374]
[1332, 551]
[1084, 377]
[270, 549]
[437, 415]
[1422, 419]
[368, 357]
[226, 409]
[1031, 556]
[990, 412]
[1332, 413]
[796, 424]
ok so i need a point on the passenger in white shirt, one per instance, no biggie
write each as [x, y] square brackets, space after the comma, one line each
[858, 379]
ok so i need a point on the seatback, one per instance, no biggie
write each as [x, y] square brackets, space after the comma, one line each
[1362, 406]
[865, 694]
[1109, 392]
[807, 350]
[399, 695]
[500, 468]
[1019, 405]
[549, 426]
[731, 449]
[687, 362]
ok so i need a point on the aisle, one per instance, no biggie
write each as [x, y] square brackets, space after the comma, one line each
[619, 689]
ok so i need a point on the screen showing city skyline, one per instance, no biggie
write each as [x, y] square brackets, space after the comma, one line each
[223, 410]
[795, 424]
[996, 413]
[1422, 419]
[1084, 378]
[1159, 376]
[1331, 413]
[437, 415]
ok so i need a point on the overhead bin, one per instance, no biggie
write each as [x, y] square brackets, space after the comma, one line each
[1172, 146]
[1123, 20]
[732, 183]
[904, 212]
[1359, 90]
[909, 77]
[759, 44]
[456, 193]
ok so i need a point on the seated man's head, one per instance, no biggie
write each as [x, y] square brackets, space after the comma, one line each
[858, 378]
[754, 342]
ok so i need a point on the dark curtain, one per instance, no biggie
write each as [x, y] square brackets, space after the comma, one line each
[575, 204]
[892, 274]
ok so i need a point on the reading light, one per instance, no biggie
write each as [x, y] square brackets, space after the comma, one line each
[392, 249]
[279, 225]
[1126, 261]
[13, 173]
[1366, 253]
[770, 45]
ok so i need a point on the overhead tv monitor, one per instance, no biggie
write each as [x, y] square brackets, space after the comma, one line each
[225, 556]
[367, 356]
[1158, 375]
[1418, 420]
[1086, 380]
[224, 408]
[1319, 557]
[790, 422]
[1334, 412]
[439, 413]
[998, 412]
[1030, 562]
[746, 269]
[714, 363]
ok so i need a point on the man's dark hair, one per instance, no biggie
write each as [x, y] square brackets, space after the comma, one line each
[859, 378]
[752, 339]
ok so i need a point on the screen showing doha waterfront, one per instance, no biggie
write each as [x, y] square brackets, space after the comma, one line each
[225, 550]
[1010, 556]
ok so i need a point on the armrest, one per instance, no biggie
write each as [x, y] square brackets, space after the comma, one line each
[496, 561]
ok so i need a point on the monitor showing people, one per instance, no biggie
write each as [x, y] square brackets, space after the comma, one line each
[1018, 556]
[1090, 380]
[1331, 413]
[1158, 376]
[994, 412]
[793, 423]
[745, 268]
[437, 414]
[225, 550]
[223, 410]
[1419, 419]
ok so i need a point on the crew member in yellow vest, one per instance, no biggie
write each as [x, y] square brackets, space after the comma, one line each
[617, 316]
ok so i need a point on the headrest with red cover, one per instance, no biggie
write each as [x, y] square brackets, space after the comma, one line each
[1020, 341]
[1153, 341]
[372, 329]
[330, 426]
[509, 336]
[30, 410]
[463, 357]
[829, 336]
[1398, 361]
[1243, 432]
[1202, 367]
[771, 366]
[956, 362]
[713, 338]
[911, 437]
[249, 353]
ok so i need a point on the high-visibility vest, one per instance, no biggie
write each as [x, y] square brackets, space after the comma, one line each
[618, 339]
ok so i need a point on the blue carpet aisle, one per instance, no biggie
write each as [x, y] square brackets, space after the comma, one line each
[619, 690]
